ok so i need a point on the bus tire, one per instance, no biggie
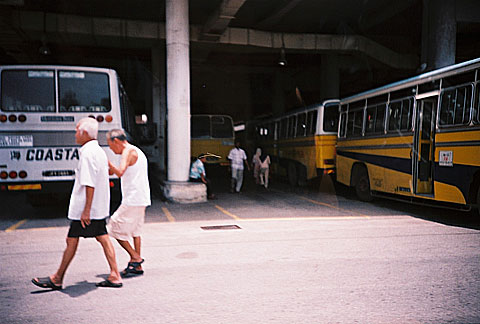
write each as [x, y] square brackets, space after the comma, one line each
[362, 185]
[292, 174]
[302, 175]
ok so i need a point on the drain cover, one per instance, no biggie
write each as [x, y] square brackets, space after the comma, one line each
[220, 227]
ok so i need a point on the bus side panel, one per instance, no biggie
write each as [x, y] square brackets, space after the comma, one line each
[343, 168]
[220, 147]
[325, 149]
[456, 164]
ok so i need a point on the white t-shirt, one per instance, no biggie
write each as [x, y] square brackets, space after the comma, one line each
[237, 156]
[135, 186]
[92, 171]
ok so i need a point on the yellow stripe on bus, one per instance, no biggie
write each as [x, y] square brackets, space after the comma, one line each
[36, 186]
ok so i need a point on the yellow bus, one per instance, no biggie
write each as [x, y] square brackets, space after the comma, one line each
[212, 134]
[417, 139]
[301, 143]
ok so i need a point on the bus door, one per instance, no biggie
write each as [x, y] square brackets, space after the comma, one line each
[423, 144]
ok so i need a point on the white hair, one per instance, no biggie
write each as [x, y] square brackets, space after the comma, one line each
[88, 125]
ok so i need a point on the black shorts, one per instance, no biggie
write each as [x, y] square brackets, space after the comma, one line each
[96, 228]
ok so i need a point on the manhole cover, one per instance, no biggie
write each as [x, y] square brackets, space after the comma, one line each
[220, 227]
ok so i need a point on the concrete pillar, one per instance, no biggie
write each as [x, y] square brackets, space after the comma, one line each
[439, 33]
[159, 107]
[329, 77]
[178, 90]
[177, 188]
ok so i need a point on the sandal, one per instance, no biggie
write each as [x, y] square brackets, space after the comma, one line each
[45, 282]
[109, 284]
[131, 269]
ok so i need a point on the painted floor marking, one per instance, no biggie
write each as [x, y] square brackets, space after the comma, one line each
[168, 214]
[15, 226]
[227, 213]
[332, 206]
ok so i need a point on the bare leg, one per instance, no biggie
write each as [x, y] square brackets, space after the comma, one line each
[134, 253]
[109, 251]
[137, 242]
[68, 254]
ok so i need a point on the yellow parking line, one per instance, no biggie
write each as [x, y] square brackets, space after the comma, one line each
[303, 218]
[227, 213]
[331, 206]
[169, 216]
[15, 226]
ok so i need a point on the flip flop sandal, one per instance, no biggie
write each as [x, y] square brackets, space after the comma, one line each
[109, 284]
[131, 269]
[45, 282]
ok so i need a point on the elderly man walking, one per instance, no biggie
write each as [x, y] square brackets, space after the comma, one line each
[128, 219]
[89, 207]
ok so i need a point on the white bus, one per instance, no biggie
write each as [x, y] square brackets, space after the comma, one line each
[40, 106]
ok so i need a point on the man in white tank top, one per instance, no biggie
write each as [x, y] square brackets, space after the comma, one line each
[128, 219]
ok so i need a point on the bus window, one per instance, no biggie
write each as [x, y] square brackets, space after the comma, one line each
[221, 127]
[312, 122]
[37, 93]
[343, 130]
[330, 118]
[200, 127]
[283, 128]
[455, 106]
[476, 118]
[375, 119]
[355, 123]
[301, 125]
[83, 92]
[291, 127]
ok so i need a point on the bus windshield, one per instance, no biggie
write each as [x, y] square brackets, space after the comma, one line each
[37, 93]
[83, 91]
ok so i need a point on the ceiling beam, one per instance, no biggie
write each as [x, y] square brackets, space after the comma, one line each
[107, 32]
[218, 22]
[278, 14]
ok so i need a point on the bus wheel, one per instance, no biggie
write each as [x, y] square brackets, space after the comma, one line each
[302, 176]
[362, 186]
[292, 174]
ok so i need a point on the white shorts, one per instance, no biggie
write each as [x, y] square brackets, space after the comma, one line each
[126, 222]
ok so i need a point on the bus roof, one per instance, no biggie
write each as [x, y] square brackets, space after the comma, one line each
[425, 77]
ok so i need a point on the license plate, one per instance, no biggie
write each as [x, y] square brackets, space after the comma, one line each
[16, 140]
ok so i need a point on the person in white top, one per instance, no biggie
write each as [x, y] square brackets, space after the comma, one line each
[128, 219]
[237, 158]
[89, 207]
[264, 169]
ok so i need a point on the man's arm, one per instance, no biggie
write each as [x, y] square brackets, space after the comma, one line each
[129, 157]
[85, 218]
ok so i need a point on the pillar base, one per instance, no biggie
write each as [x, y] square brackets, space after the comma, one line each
[184, 192]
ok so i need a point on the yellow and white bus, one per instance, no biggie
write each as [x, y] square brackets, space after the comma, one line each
[40, 106]
[417, 139]
[212, 134]
[301, 143]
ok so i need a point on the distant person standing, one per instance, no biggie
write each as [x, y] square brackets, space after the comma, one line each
[198, 174]
[89, 207]
[256, 165]
[264, 169]
[128, 219]
[237, 159]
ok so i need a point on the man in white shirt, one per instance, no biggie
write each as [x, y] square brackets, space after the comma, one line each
[237, 158]
[128, 219]
[89, 207]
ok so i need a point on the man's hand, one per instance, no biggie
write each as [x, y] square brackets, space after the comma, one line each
[85, 218]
